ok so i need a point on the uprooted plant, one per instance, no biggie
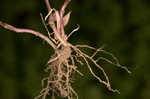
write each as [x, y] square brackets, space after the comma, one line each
[63, 62]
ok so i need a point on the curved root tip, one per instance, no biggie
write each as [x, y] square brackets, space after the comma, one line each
[113, 90]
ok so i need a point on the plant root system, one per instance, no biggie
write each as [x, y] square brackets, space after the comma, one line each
[62, 64]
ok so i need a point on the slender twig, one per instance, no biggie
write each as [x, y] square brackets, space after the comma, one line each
[76, 29]
[21, 30]
[45, 25]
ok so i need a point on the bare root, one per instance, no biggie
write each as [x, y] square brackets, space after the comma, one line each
[62, 64]
[60, 72]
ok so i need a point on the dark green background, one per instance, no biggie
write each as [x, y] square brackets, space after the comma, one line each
[123, 26]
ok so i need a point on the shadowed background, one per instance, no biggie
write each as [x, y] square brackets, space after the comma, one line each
[123, 26]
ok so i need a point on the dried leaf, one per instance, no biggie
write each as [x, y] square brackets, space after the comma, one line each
[66, 18]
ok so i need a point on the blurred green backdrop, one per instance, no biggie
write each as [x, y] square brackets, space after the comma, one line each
[123, 26]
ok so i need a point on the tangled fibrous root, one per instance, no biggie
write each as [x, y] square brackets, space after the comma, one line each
[60, 70]
[61, 67]
[63, 63]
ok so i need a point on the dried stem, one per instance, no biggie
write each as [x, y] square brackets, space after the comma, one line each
[20, 30]
[48, 5]
[64, 7]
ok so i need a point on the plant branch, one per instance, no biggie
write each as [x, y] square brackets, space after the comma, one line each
[21, 30]
[48, 5]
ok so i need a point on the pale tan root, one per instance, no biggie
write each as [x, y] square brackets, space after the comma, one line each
[62, 64]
